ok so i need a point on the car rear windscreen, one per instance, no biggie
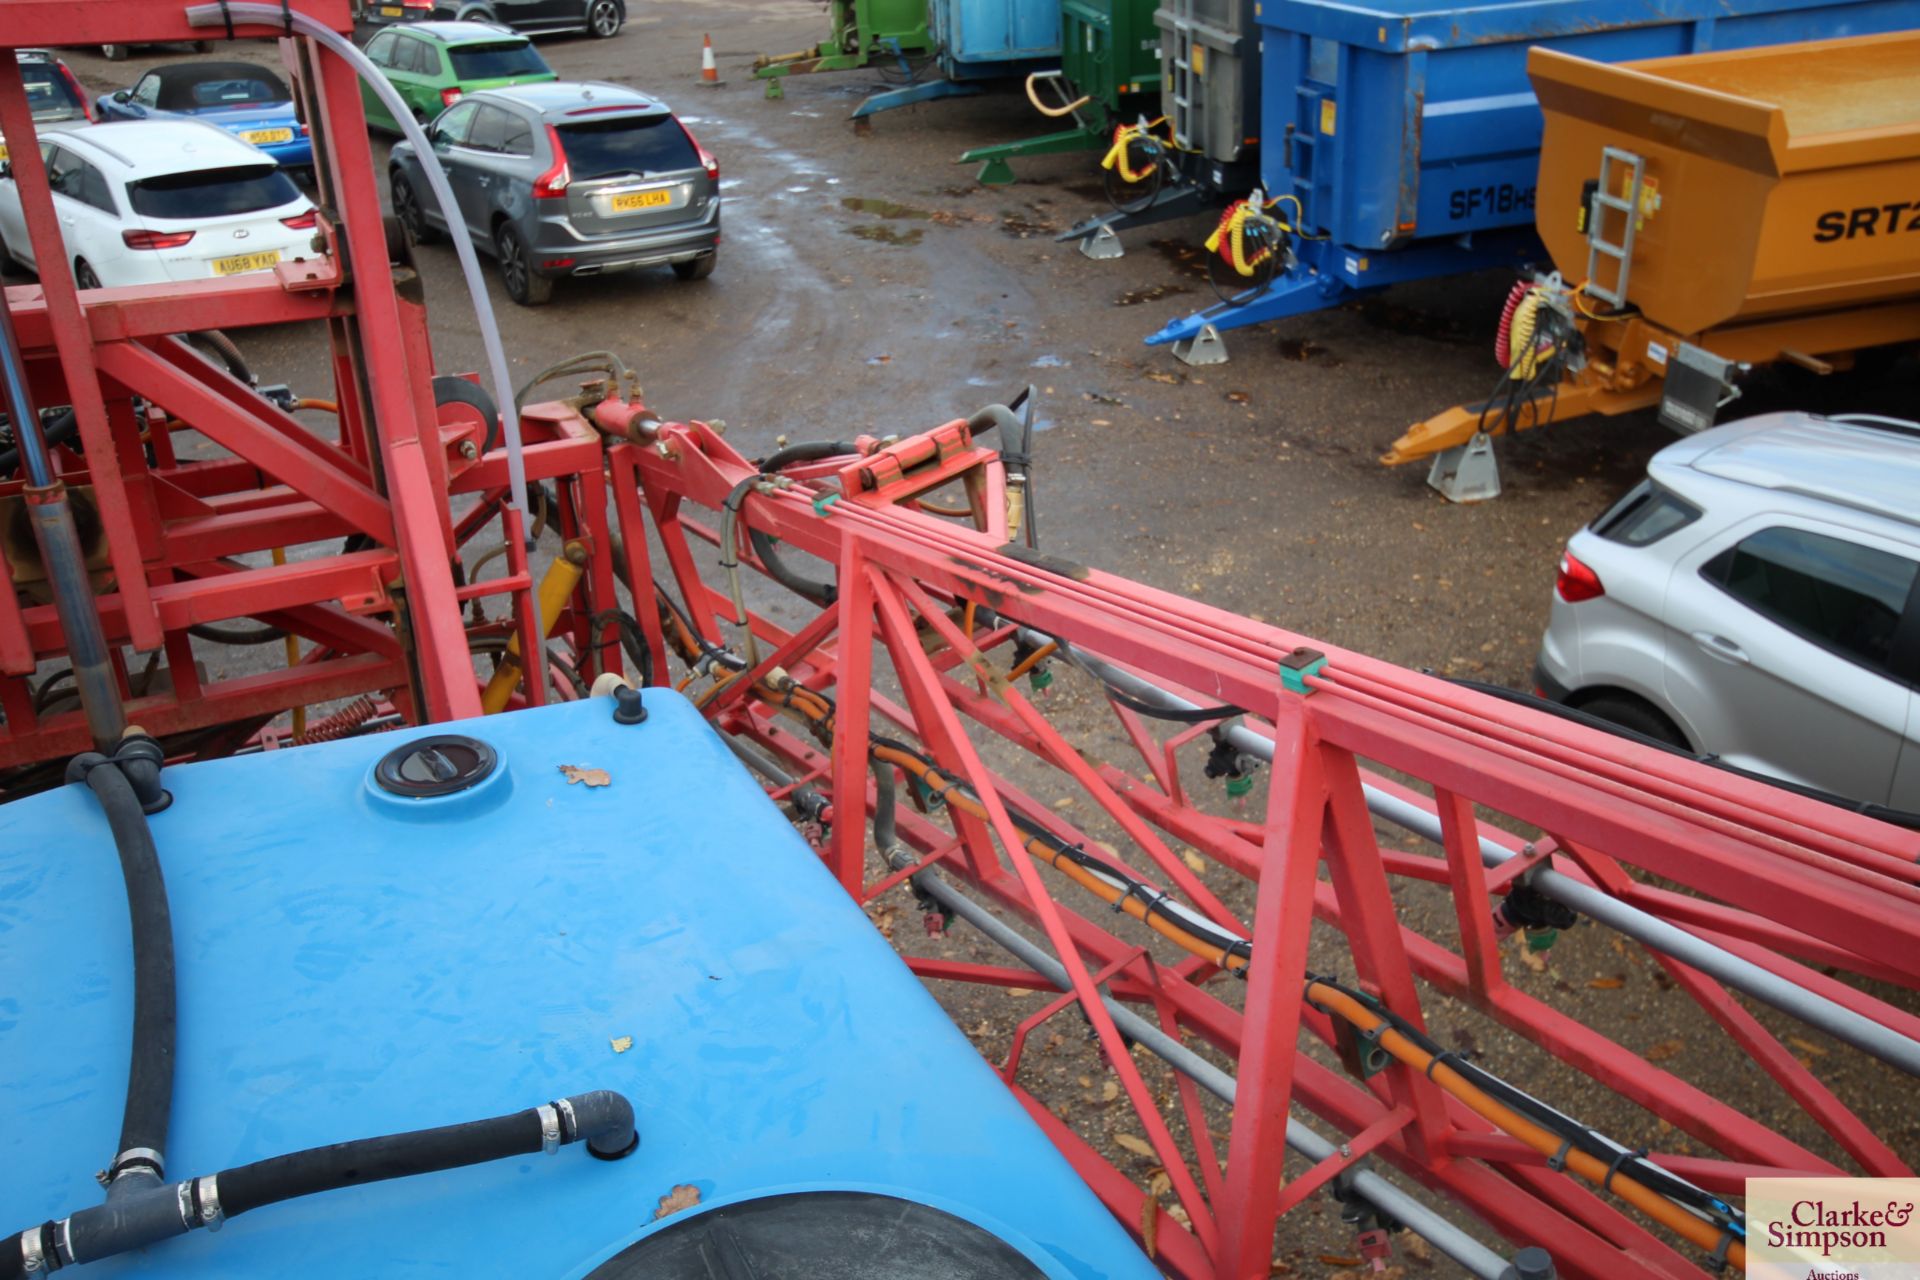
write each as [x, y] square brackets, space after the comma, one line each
[212, 193]
[209, 86]
[50, 94]
[1647, 514]
[497, 61]
[629, 144]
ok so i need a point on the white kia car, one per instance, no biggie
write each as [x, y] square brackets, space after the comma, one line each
[158, 201]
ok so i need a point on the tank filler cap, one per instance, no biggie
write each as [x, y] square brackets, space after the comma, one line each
[435, 766]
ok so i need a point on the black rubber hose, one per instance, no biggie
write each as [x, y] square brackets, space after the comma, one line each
[235, 635]
[602, 1119]
[608, 1131]
[821, 593]
[58, 431]
[223, 346]
[143, 1124]
[810, 451]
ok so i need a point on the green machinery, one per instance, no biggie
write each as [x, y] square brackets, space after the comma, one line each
[862, 31]
[1109, 52]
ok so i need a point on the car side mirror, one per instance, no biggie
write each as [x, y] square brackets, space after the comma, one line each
[123, 95]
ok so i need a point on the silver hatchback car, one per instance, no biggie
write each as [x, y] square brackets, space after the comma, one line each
[568, 179]
[1755, 600]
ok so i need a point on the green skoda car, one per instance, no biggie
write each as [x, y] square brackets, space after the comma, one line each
[434, 64]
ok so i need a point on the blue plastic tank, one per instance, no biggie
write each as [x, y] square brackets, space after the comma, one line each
[1409, 135]
[354, 962]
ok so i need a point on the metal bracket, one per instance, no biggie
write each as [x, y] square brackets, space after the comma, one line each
[1467, 472]
[1204, 347]
[1698, 385]
[1103, 245]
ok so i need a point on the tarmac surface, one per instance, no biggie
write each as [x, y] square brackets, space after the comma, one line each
[868, 283]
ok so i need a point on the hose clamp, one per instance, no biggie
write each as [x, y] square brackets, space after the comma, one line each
[549, 1128]
[33, 1260]
[183, 1195]
[136, 1156]
[570, 1123]
[207, 1191]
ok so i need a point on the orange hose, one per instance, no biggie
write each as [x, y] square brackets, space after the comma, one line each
[1033, 660]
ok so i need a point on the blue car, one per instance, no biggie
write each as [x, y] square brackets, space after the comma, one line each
[249, 101]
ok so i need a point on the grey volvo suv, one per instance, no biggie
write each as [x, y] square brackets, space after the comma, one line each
[568, 180]
[1757, 599]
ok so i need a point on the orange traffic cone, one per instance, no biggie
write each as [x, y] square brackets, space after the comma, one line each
[709, 73]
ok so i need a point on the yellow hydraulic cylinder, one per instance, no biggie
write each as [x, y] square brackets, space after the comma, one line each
[556, 588]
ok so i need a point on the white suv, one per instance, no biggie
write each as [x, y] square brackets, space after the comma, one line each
[154, 201]
[1755, 600]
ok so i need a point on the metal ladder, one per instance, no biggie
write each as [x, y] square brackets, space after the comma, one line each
[1628, 207]
[1180, 79]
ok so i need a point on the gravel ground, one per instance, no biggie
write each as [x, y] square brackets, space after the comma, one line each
[867, 283]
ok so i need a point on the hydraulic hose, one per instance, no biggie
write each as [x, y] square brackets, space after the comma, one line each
[806, 451]
[57, 432]
[149, 1102]
[1068, 109]
[602, 1119]
[218, 15]
[1742, 975]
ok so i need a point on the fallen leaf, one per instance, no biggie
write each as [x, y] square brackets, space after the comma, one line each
[1101, 422]
[1150, 1226]
[592, 777]
[621, 1043]
[1086, 1082]
[1109, 1091]
[1127, 1142]
[1195, 861]
[1532, 959]
[1807, 1046]
[1238, 397]
[1158, 376]
[1338, 1260]
[681, 1197]
[1279, 1268]
[1159, 1184]
[1019, 991]
[1608, 984]
[1179, 1215]
[1417, 1248]
[1664, 1050]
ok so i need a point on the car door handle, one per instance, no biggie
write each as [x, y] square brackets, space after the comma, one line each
[1722, 648]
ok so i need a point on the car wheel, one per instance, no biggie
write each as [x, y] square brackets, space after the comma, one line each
[406, 207]
[698, 269]
[114, 52]
[524, 285]
[84, 276]
[603, 18]
[1636, 715]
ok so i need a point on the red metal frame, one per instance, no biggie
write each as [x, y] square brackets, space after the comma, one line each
[1767, 873]
[184, 540]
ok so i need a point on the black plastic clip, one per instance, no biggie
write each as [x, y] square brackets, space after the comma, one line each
[1718, 1261]
[1558, 1160]
[1606, 1183]
[286, 15]
[226, 16]
[1459, 1055]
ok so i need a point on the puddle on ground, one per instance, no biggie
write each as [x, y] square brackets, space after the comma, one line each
[798, 191]
[979, 382]
[1020, 227]
[1189, 256]
[1395, 318]
[883, 208]
[880, 233]
[1049, 362]
[1152, 293]
[1306, 351]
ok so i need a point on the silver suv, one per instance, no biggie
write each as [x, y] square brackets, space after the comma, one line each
[1754, 599]
[568, 180]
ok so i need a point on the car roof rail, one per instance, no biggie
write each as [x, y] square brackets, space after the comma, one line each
[1878, 422]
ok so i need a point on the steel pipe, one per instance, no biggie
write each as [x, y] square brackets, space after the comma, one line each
[1815, 1010]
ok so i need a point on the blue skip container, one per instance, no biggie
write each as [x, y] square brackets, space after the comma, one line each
[977, 40]
[355, 960]
[1410, 136]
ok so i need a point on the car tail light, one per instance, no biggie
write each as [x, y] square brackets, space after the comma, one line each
[86, 103]
[707, 160]
[450, 96]
[155, 239]
[552, 185]
[556, 264]
[1575, 581]
[302, 221]
[416, 4]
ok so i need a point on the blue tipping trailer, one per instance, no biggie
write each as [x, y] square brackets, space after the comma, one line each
[974, 41]
[354, 962]
[1410, 136]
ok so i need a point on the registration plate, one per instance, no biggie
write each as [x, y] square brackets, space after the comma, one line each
[241, 262]
[640, 200]
[260, 137]
[391, 11]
